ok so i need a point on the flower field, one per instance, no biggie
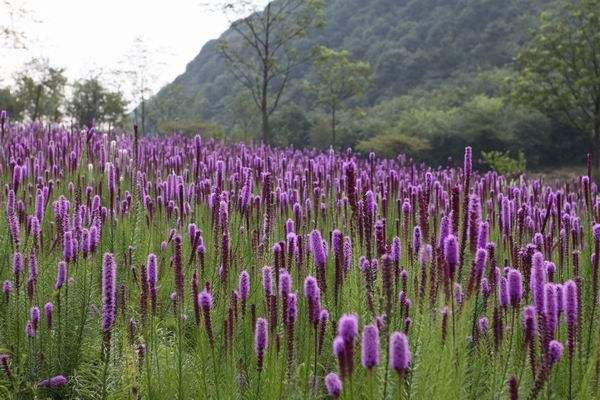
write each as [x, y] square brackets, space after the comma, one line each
[184, 268]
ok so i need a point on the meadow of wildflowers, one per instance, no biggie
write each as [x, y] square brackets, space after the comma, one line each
[183, 268]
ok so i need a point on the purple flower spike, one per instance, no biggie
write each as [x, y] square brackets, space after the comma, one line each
[400, 355]
[538, 280]
[333, 385]
[313, 296]
[49, 311]
[29, 330]
[244, 285]
[515, 287]
[54, 382]
[260, 341]
[451, 254]
[317, 248]
[34, 316]
[550, 309]
[151, 277]
[267, 281]
[370, 347]
[61, 274]
[468, 161]
[109, 290]
[555, 350]
[483, 324]
[503, 295]
[571, 308]
[348, 327]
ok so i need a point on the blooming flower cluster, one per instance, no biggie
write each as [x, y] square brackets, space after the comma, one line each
[224, 269]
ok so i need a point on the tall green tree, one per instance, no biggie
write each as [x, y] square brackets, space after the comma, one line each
[244, 116]
[115, 107]
[93, 104]
[87, 102]
[560, 73]
[10, 103]
[41, 90]
[261, 55]
[337, 80]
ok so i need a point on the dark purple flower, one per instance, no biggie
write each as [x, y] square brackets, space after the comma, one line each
[451, 254]
[34, 317]
[468, 161]
[571, 308]
[178, 268]
[515, 287]
[109, 290]
[7, 289]
[370, 347]
[348, 327]
[61, 274]
[555, 350]
[205, 300]
[151, 277]
[17, 267]
[400, 355]
[49, 310]
[267, 281]
[285, 283]
[513, 388]
[29, 330]
[313, 296]
[482, 235]
[503, 296]
[53, 382]
[292, 307]
[339, 349]
[483, 325]
[244, 286]
[485, 288]
[260, 341]
[333, 385]
[550, 309]
[538, 280]
[317, 248]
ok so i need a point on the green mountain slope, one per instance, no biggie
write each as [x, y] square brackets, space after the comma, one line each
[411, 44]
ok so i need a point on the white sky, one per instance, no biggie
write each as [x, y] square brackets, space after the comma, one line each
[86, 36]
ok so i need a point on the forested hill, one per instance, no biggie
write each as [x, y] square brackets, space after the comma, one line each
[439, 69]
[409, 43]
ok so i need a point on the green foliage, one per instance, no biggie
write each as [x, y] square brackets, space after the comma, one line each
[503, 163]
[10, 103]
[292, 127]
[411, 44]
[560, 73]
[260, 53]
[336, 80]
[191, 127]
[91, 103]
[462, 112]
[114, 109]
[392, 144]
[40, 91]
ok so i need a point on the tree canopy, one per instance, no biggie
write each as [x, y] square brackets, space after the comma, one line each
[560, 74]
[337, 79]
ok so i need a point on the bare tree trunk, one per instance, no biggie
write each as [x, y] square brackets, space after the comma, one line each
[264, 108]
[333, 126]
[143, 115]
[265, 124]
[36, 106]
[596, 144]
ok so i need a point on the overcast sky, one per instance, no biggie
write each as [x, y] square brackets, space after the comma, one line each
[86, 36]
